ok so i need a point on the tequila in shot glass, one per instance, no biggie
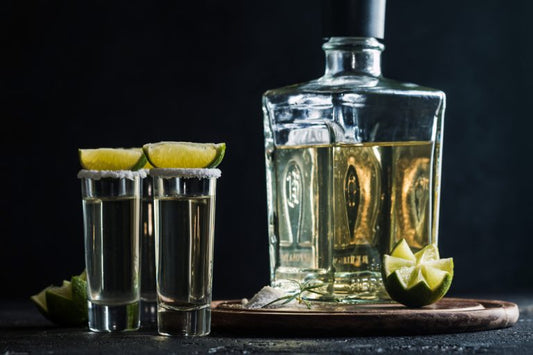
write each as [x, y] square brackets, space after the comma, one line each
[111, 218]
[184, 210]
[148, 284]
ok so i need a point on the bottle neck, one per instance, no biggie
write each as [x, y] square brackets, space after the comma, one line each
[353, 56]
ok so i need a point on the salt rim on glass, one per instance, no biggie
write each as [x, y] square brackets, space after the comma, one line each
[114, 174]
[186, 173]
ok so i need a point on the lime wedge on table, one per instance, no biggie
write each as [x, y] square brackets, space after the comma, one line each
[39, 300]
[79, 293]
[416, 280]
[112, 158]
[184, 154]
[64, 305]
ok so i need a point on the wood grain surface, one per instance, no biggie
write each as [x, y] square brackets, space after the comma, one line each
[449, 315]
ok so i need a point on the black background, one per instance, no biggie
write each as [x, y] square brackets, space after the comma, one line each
[123, 73]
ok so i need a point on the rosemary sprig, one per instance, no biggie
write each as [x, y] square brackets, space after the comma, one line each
[303, 287]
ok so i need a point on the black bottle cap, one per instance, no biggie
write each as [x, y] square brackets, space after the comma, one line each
[353, 18]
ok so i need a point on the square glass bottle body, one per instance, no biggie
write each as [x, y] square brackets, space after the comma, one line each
[352, 166]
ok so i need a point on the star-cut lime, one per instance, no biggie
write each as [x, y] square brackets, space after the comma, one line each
[416, 280]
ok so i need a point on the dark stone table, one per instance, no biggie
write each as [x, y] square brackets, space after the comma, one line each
[24, 331]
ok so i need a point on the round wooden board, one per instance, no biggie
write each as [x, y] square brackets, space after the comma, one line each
[449, 315]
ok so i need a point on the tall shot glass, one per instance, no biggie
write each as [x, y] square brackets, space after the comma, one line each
[184, 206]
[111, 218]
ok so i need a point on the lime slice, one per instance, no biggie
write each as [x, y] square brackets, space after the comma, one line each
[392, 263]
[184, 154]
[416, 280]
[79, 294]
[221, 151]
[61, 307]
[64, 305]
[112, 158]
[428, 253]
[147, 165]
[39, 300]
[442, 264]
[402, 250]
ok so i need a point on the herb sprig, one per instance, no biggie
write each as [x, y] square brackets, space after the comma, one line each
[298, 295]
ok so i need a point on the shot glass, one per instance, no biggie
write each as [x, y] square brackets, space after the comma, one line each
[184, 211]
[148, 284]
[111, 218]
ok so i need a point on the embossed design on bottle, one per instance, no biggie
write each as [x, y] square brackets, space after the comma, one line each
[358, 188]
[358, 195]
[293, 200]
[351, 196]
[296, 252]
[412, 196]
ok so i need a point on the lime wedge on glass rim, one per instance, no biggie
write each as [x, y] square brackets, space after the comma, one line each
[169, 154]
[112, 158]
[416, 280]
[147, 165]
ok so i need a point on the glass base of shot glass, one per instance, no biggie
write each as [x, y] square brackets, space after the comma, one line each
[187, 322]
[116, 318]
[148, 314]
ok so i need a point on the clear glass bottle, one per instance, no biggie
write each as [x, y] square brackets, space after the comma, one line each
[353, 164]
